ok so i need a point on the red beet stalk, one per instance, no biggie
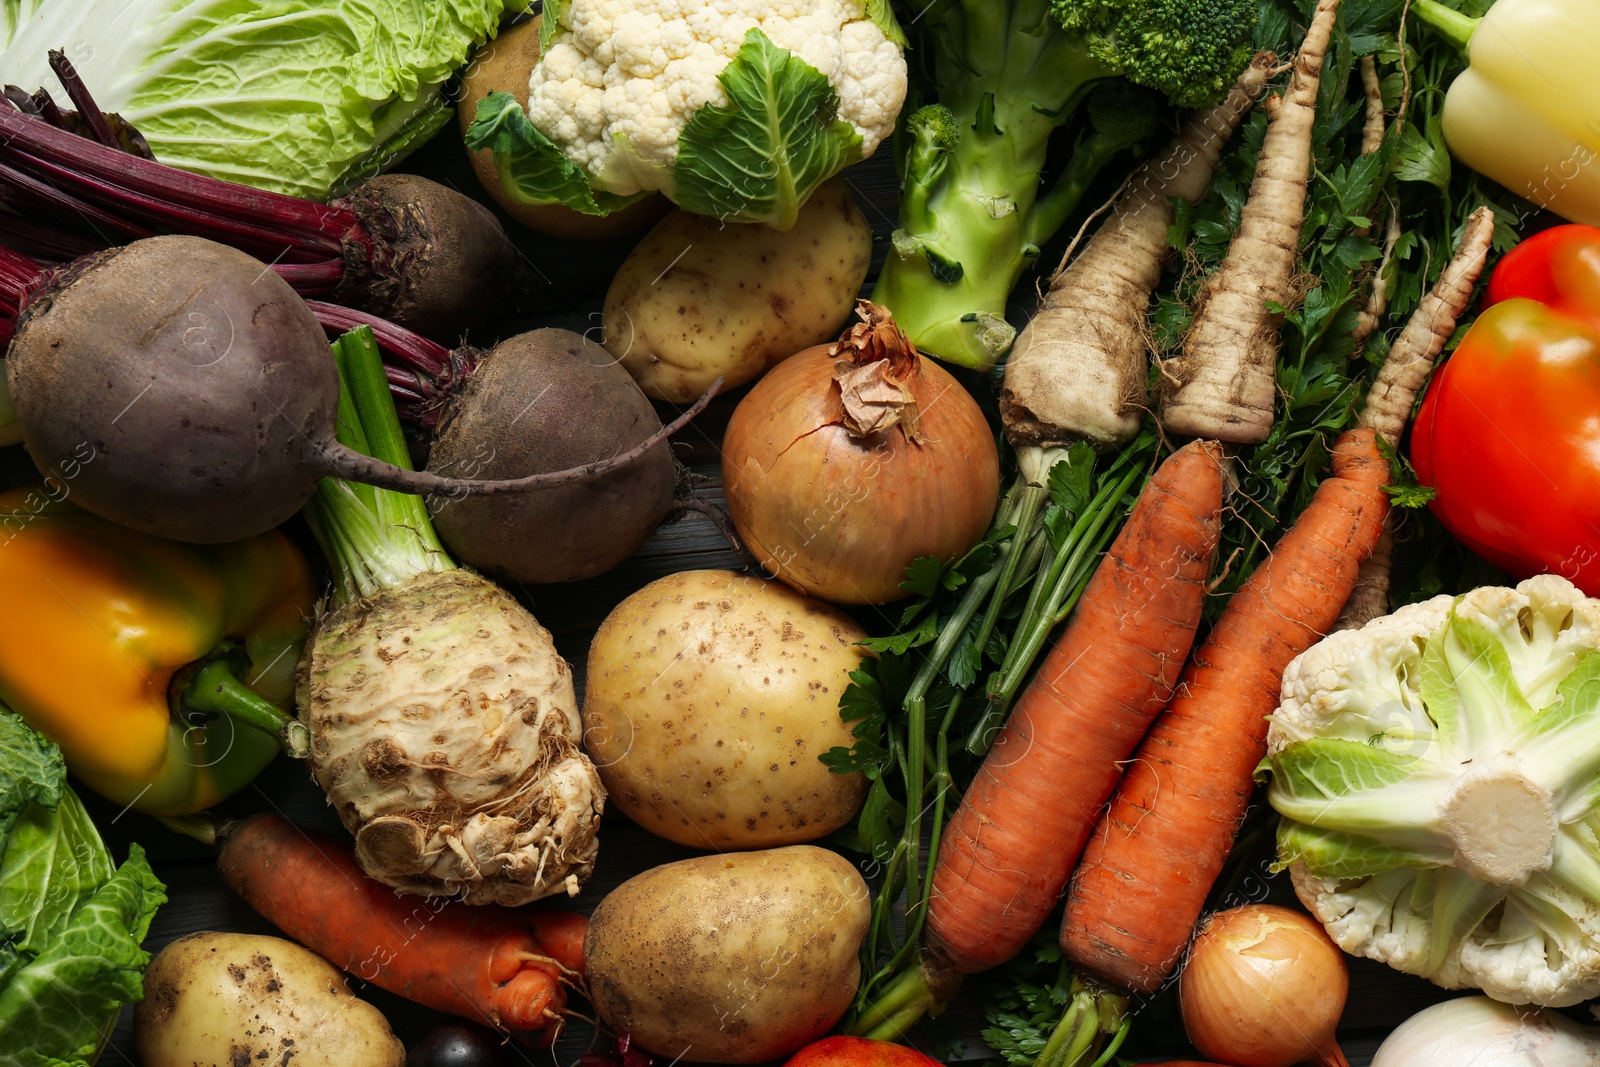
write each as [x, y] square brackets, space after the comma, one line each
[403, 247]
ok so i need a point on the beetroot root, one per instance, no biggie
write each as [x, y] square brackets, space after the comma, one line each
[442, 256]
[543, 401]
[202, 390]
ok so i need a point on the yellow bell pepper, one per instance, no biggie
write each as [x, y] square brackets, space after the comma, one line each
[128, 651]
[1526, 112]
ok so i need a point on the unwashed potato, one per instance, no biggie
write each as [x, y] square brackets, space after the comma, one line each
[505, 65]
[729, 959]
[230, 999]
[700, 298]
[710, 696]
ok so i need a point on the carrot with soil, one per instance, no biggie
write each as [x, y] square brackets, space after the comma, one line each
[1079, 368]
[1223, 386]
[1404, 372]
[1007, 851]
[506, 968]
[1022, 825]
[1162, 843]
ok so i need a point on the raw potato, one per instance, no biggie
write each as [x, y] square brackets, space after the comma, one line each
[504, 65]
[730, 959]
[230, 999]
[699, 298]
[710, 696]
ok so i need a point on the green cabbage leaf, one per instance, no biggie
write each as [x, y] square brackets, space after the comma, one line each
[296, 96]
[71, 922]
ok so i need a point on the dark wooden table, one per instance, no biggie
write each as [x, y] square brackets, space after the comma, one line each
[575, 276]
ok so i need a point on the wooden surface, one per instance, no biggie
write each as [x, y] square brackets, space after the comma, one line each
[573, 277]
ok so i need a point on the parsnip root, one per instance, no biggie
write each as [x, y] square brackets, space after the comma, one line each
[1079, 369]
[1224, 384]
[1400, 379]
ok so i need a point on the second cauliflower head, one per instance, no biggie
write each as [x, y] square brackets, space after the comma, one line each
[732, 108]
[1437, 773]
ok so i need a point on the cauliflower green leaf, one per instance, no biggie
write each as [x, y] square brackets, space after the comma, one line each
[1436, 773]
[779, 137]
[532, 169]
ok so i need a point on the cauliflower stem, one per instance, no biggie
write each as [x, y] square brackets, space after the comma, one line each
[1001, 78]
[1436, 776]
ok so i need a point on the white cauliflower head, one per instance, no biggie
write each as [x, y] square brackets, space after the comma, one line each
[620, 80]
[1436, 772]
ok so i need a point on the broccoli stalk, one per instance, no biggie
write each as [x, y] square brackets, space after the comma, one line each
[1004, 76]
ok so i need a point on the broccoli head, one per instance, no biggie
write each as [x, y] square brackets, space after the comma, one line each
[1190, 50]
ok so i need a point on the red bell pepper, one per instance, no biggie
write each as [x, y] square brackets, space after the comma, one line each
[1509, 432]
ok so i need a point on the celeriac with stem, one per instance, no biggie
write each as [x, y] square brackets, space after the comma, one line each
[444, 727]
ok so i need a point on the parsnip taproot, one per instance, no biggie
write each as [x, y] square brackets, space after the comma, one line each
[1224, 384]
[1079, 369]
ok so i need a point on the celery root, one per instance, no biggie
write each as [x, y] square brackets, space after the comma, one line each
[444, 726]
[1400, 379]
[1079, 369]
[1224, 384]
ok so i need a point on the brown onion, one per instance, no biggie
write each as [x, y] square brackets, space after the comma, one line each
[849, 461]
[1264, 987]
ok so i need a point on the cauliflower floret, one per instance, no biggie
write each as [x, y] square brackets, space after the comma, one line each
[622, 78]
[1441, 762]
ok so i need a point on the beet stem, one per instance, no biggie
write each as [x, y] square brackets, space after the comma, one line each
[264, 242]
[46, 243]
[425, 356]
[21, 100]
[310, 226]
[337, 461]
[87, 108]
[26, 190]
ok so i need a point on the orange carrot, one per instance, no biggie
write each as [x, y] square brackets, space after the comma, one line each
[504, 967]
[1006, 853]
[1160, 846]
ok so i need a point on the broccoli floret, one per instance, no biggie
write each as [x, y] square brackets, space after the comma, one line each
[1190, 50]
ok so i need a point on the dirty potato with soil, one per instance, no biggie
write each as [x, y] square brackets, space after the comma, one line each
[729, 959]
[215, 998]
[710, 697]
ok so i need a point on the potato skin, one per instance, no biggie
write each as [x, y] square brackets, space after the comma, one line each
[710, 696]
[699, 298]
[738, 958]
[226, 999]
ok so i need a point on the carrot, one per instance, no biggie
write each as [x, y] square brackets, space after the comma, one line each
[1079, 368]
[1405, 370]
[1160, 846]
[503, 967]
[1006, 853]
[1224, 383]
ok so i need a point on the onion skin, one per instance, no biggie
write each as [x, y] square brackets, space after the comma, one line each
[840, 517]
[1264, 986]
[1486, 1033]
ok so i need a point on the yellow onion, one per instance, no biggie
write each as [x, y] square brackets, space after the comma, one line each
[1264, 987]
[849, 461]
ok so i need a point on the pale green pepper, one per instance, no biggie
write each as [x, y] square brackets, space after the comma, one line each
[1526, 112]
